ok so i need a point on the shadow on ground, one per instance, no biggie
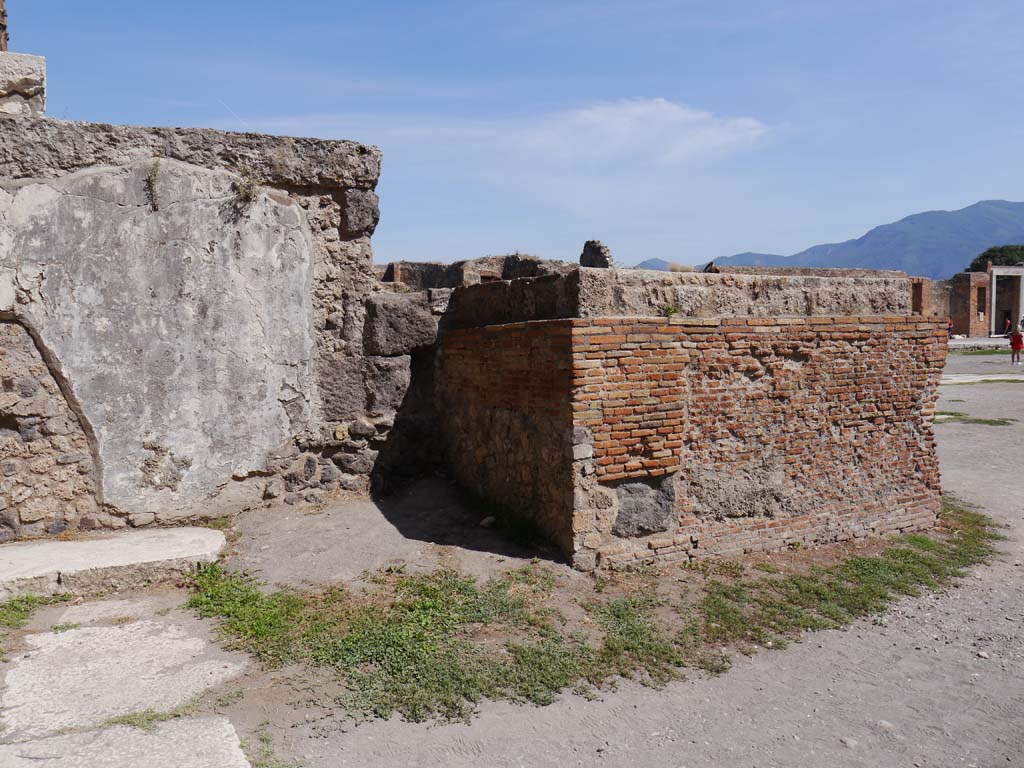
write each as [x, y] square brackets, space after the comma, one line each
[420, 527]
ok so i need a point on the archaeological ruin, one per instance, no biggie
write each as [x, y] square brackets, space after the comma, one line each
[192, 324]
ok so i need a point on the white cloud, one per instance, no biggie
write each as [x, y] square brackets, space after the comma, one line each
[455, 187]
[658, 130]
[655, 131]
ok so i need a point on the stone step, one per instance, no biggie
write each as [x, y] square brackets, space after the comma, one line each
[127, 559]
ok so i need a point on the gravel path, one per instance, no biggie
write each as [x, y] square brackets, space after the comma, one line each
[937, 683]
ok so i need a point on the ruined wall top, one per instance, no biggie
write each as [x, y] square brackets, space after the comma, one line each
[646, 293]
[34, 146]
[731, 269]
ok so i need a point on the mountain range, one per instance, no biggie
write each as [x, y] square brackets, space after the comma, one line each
[935, 244]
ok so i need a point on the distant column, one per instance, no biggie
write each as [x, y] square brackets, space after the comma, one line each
[3, 25]
[992, 304]
[1020, 301]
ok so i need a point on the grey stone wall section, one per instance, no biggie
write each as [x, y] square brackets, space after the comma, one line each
[327, 187]
[180, 314]
[42, 147]
[641, 292]
[592, 292]
[398, 323]
[551, 297]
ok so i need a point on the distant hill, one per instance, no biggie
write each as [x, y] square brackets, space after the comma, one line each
[934, 244]
[654, 264]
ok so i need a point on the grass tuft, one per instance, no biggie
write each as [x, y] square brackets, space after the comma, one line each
[146, 720]
[951, 417]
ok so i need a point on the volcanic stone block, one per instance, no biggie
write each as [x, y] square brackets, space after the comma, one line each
[398, 323]
[645, 506]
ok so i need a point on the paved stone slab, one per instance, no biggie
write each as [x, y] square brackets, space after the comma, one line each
[81, 678]
[978, 342]
[118, 561]
[110, 611]
[200, 742]
[977, 378]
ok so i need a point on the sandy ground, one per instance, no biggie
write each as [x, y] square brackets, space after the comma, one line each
[909, 689]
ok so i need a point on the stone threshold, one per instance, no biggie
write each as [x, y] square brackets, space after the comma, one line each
[123, 560]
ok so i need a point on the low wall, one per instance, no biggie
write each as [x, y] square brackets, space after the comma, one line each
[731, 435]
[587, 292]
[697, 436]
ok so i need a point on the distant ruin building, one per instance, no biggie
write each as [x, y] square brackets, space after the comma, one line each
[192, 323]
[983, 303]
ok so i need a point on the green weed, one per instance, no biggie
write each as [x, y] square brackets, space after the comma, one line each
[947, 417]
[433, 646]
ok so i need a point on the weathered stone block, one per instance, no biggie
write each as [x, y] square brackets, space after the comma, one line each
[387, 382]
[645, 506]
[398, 324]
[360, 213]
[22, 84]
[596, 254]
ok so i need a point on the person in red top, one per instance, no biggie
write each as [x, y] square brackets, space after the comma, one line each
[1016, 345]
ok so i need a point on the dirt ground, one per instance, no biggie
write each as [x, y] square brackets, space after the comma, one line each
[937, 682]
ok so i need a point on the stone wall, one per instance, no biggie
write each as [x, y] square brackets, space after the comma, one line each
[46, 465]
[802, 271]
[586, 292]
[625, 292]
[425, 275]
[202, 295]
[505, 419]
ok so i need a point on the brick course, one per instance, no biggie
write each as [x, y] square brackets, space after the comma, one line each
[776, 430]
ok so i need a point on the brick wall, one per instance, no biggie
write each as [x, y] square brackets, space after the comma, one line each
[970, 317]
[505, 417]
[630, 440]
[708, 436]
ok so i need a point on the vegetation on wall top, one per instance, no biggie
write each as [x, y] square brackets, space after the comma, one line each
[1000, 256]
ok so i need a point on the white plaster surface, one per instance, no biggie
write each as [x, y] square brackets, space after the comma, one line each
[81, 678]
[179, 315]
[207, 742]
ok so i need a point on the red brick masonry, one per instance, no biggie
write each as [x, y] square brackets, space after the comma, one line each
[712, 436]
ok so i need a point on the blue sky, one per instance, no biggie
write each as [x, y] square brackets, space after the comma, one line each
[676, 130]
